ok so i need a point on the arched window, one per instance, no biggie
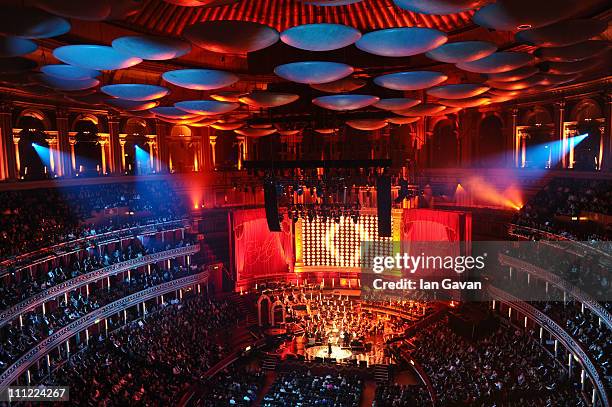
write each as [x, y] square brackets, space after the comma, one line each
[35, 160]
[444, 145]
[88, 156]
[490, 143]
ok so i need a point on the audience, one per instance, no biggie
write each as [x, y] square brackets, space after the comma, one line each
[505, 368]
[301, 389]
[13, 291]
[32, 219]
[152, 361]
[235, 386]
[395, 395]
[17, 340]
[568, 197]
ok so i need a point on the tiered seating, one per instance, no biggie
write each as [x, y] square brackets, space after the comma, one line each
[303, 389]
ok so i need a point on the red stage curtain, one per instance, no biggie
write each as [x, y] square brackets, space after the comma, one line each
[257, 251]
[428, 225]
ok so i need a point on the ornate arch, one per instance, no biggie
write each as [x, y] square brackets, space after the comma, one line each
[277, 303]
[85, 117]
[585, 109]
[36, 114]
[536, 115]
[260, 301]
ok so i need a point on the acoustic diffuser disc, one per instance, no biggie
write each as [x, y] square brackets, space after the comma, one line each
[313, 72]
[464, 51]
[206, 107]
[135, 91]
[263, 100]
[320, 37]
[152, 48]
[231, 36]
[439, 7]
[457, 91]
[345, 102]
[413, 80]
[99, 57]
[497, 62]
[200, 79]
[401, 42]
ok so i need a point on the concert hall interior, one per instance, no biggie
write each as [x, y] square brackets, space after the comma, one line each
[338, 203]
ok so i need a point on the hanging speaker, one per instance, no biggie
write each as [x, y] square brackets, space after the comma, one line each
[271, 202]
[383, 205]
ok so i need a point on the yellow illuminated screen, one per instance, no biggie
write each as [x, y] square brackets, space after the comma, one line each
[339, 244]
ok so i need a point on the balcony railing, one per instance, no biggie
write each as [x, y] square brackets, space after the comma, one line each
[559, 333]
[47, 253]
[563, 284]
[62, 335]
[53, 292]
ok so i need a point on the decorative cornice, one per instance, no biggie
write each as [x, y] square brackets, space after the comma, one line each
[62, 335]
[559, 333]
[53, 292]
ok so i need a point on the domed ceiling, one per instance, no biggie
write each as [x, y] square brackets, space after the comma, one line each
[238, 61]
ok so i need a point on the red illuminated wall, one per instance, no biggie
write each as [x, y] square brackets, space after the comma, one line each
[257, 251]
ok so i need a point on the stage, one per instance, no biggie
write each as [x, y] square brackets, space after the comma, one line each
[323, 352]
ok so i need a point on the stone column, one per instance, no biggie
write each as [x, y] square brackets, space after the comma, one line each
[559, 120]
[213, 157]
[115, 156]
[65, 150]
[515, 139]
[163, 150]
[241, 140]
[8, 159]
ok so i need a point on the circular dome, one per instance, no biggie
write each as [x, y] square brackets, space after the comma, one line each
[439, 7]
[469, 102]
[152, 48]
[562, 33]
[313, 72]
[426, 109]
[14, 47]
[132, 105]
[343, 85]
[169, 112]
[573, 53]
[31, 23]
[396, 103]
[67, 84]
[518, 85]
[345, 102]
[135, 91]
[497, 62]
[264, 99]
[367, 124]
[514, 75]
[69, 72]
[509, 15]
[464, 51]
[457, 91]
[206, 107]
[414, 80]
[92, 11]
[98, 57]
[200, 79]
[231, 36]
[401, 42]
[320, 37]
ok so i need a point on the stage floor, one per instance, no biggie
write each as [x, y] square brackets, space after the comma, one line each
[323, 352]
